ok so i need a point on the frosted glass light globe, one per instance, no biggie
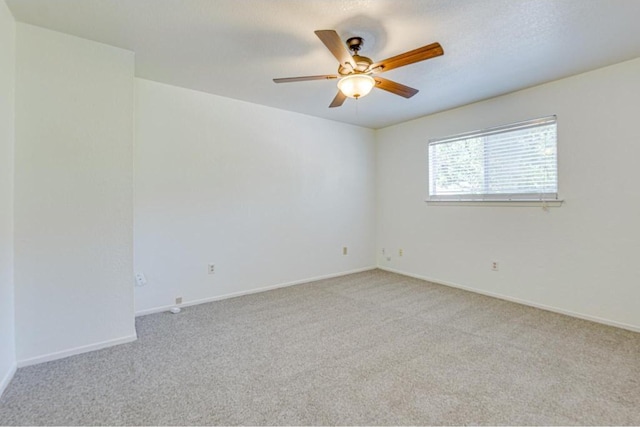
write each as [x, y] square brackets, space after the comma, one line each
[356, 85]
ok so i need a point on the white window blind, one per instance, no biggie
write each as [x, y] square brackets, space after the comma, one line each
[513, 162]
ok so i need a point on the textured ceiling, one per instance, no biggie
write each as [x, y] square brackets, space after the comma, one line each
[234, 48]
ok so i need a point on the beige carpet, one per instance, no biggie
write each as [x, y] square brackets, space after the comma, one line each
[369, 348]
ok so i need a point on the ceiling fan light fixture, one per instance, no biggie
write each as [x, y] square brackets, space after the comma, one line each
[356, 85]
[355, 71]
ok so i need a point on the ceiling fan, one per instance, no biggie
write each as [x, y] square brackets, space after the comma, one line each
[355, 71]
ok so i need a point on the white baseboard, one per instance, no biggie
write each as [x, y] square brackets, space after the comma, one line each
[77, 350]
[4, 383]
[252, 291]
[518, 300]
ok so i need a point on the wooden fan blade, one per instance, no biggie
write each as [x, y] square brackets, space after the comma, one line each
[332, 41]
[420, 54]
[338, 100]
[395, 88]
[305, 78]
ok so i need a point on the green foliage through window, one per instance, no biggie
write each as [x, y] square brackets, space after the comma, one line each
[514, 162]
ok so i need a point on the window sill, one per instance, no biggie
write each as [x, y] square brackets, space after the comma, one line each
[498, 203]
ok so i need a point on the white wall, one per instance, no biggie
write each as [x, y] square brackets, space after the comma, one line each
[581, 257]
[7, 88]
[73, 195]
[269, 196]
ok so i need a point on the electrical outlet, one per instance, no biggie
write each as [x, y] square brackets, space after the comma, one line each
[400, 252]
[140, 279]
[178, 300]
[495, 266]
[211, 268]
[344, 250]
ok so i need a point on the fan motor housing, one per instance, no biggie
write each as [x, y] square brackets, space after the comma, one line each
[362, 62]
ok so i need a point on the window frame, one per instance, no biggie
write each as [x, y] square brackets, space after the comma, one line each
[549, 199]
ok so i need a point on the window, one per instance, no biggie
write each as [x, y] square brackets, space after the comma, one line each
[516, 162]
